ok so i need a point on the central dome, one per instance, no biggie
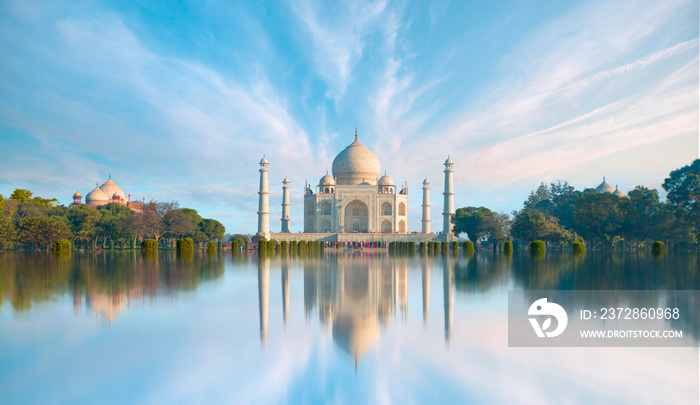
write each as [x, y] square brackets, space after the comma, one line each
[356, 164]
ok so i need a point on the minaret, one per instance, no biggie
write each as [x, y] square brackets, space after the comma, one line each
[449, 199]
[264, 202]
[263, 295]
[285, 205]
[426, 206]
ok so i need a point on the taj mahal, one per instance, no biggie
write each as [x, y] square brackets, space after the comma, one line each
[355, 203]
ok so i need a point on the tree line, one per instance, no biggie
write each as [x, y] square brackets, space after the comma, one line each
[558, 213]
[27, 221]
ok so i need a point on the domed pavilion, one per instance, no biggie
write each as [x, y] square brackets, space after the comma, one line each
[357, 198]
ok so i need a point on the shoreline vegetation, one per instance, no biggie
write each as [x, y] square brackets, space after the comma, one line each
[557, 216]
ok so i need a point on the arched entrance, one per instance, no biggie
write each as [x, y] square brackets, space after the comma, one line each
[386, 226]
[325, 226]
[356, 217]
[402, 227]
[402, 209]
[325, 208]
[386, 208]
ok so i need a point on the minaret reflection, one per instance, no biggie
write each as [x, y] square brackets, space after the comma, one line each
[285, 289]
[263, 295]
[448, 279]
[426, 289]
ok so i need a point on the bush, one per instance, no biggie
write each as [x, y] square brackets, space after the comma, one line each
[507, 248]
[423, 248]
[271, 247]
[443, 248]
[262, 247]
[658, 248]
[578, 248]
[301, 247]
[455, 247]
[234, 247]
[149, 246]
[62, 246]
[468, 248]
[211, 248]
[185, 246]
[537, 248]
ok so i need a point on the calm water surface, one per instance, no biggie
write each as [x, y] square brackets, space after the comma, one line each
[348, 328]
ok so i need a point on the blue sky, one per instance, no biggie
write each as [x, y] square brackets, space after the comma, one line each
[180, 100]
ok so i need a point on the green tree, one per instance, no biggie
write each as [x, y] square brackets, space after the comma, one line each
[42, 232]
[538, 199]
[8, 234]
[83, 222]
[242, 239]
[469, 220]
[601, 216]
[683, 187]
[497, 227]
[21, 195]
[536, 225]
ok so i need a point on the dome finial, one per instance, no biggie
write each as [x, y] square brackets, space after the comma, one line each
[110, 176]
[355, 133]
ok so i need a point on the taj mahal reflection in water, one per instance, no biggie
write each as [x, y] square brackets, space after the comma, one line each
[357, 297]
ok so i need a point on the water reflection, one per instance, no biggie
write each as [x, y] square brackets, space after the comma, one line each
[107, 282]
[323, 317]
[355, 296]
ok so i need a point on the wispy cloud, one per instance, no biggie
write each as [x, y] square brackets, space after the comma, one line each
[338, 36]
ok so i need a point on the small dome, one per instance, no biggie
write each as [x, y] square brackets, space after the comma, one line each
[326, 180]
[385, 181]
[96, 196]
[77, 195]
[152, 201]
[285, 181]
[604, 187]
[448, 161]
[365, 183]
[356, 163]
[426, 182]
[110, 188]
[618, 193]
[264, 161]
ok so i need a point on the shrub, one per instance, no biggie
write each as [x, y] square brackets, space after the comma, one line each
[301, 247]
[62, 246]
[455, 247]
[185, 246]
[149, 246]
[537, 248]
[507, 248]
[658, 248]
[578, 248]
[271, 247]
[443, 248]
[468, 248]
[423, 248]
[262, 247]
[234, 247]
[211, 248]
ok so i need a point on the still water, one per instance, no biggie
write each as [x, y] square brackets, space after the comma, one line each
[347, 328]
